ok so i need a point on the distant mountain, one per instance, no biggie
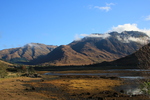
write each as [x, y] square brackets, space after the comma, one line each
[26, 53]
[96, 48]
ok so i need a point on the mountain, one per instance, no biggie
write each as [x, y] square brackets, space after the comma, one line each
[26, 53]
[96, 48]
[139, 59]
[64, 55]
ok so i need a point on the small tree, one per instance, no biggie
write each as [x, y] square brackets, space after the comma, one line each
[23, 69]
[31, 70]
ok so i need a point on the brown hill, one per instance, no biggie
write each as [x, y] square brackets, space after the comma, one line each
[96, 49]
[27, 53]
[64, 55]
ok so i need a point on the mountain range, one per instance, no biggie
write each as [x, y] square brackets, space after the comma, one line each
[94, 48]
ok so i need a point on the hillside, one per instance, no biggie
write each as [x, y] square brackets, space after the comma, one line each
[5, 63]
[27, 53]
[139, 59]
[95, 48]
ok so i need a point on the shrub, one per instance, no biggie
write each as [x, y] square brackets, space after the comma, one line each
[145, 88]
[3, 71]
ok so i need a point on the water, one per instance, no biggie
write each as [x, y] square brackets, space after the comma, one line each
[137, 70]
[132, 89]
[129, 75]
[100, 74]
[132, 77]
[120, 73]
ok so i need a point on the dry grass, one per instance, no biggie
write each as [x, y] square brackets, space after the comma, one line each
[85, 84]
[92, 84]
[14, 89]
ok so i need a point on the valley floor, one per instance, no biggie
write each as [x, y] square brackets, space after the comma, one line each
[63, 88]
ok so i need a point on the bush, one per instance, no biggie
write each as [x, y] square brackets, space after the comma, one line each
[26, 69]
[145, 87]
[3, 71]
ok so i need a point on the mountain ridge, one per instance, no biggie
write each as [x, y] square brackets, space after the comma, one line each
[95, 49]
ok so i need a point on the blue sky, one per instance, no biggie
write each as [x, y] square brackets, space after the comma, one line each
[59, 22]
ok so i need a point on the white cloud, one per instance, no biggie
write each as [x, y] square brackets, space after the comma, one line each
[106, 8]
[77, 37]
[109, 4]
[106, 35]
[129, 27]
[125, 27]
[103, 36]
[90, 6]
[141, 40]
[147, 18]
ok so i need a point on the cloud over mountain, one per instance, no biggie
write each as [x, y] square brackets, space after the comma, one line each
[121, 29]
[103, 36]
[129, 27]
[96, 35]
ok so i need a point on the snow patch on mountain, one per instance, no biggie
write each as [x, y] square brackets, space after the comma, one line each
[32, 45]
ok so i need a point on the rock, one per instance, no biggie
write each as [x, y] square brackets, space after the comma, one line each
[99, 98]
[116, 94]
[121, 91]
[87, 93]
[113, 77]
[33, 88]
[90, 97]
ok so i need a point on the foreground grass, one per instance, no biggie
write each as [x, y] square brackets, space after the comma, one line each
[14, 89]
[85, 84]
